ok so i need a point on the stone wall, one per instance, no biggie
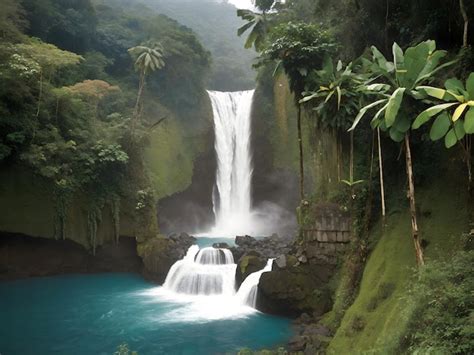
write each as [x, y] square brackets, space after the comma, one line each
[327, 234]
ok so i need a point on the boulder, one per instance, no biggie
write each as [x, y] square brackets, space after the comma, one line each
[248, 264]
[160, 253]
[293, 290]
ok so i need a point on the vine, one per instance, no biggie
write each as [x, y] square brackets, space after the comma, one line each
[115, 206]
[94, 217]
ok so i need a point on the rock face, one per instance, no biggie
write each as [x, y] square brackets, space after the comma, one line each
[269, 247]
[293, 288]
[160, 253]
[248, 264]
[251, 254]
[23, 256]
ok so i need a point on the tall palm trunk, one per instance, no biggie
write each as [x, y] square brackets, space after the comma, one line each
[382, 185]
[300, 145]
[137, 109]
[411, 197]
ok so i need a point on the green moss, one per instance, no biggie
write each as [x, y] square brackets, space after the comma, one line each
[170, 158]
[378, 319]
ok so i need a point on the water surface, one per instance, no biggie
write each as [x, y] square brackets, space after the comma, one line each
[93, 314]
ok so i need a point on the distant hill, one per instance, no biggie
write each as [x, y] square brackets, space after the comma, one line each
[216, 23]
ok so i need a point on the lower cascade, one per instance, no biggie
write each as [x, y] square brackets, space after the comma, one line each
[210, 273]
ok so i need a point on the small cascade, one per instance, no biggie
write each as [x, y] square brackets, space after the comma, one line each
[247, 293]
[205, 272]
[211, 272]
[214, 256]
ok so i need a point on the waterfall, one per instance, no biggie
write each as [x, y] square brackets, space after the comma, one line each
[232, 197]
[247, 293]
[207, 277]
[209, 271]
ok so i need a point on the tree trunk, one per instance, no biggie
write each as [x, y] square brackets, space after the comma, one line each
[382, 185]
[466, 22]
[411, 196]
[300, 145]
[136, 111]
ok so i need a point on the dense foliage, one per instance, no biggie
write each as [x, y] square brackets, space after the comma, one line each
[442, 296]
[68, 95]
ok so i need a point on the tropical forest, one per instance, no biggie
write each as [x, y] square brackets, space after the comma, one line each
[236, 177]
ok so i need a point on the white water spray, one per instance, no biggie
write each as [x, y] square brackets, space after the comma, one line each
[232, 197]
[204, 281]
[247, 293]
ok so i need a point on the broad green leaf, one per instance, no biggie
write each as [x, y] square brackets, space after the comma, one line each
[393, 107]
[470, 86]
[440, 127]
[396, 135]
[433, 92]
[397, 56]
[424, 77]
[245, 27]
[459, 111]
[469, 121]
[364, 110]
[378, 87]
[455, 85]
[402, 124]
[459, 130]
[450, 139]
[427, 114]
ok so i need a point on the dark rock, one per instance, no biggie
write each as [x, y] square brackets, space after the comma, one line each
[294, 290]
[269, 247]
[245, 240]
[160, 253]
[248, 264]
[281, 261]
[23, 256]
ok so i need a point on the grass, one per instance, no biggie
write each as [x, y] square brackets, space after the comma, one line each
[377, 321]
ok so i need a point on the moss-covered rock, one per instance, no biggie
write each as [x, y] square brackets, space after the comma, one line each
[247, 265]
[160, 253]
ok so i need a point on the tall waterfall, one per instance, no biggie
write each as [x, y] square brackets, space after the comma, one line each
[232, 197]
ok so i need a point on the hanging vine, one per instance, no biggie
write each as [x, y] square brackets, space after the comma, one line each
[94, 217]
[115, 206]
[62, 199]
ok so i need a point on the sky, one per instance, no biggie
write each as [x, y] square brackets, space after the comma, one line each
[242, 4]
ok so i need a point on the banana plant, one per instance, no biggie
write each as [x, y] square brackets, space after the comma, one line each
[393, 87]
[453, 115]
[337, 100]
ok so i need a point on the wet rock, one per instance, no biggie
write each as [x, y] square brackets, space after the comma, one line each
[160, 253]
[248, 264]
[269, 247]
[281, 261]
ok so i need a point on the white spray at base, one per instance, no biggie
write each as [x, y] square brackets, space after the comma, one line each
[204, 282]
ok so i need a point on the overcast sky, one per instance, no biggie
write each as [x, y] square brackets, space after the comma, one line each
[242, 4]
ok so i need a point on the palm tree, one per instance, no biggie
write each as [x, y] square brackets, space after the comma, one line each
[259, 24]
[146, 60]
